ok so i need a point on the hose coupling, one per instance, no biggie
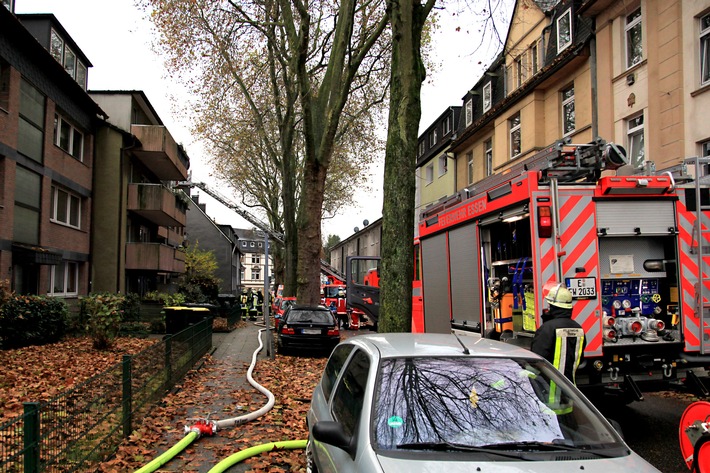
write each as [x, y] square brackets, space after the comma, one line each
[203, 427]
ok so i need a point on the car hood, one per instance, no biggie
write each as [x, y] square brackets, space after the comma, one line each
[625, 464]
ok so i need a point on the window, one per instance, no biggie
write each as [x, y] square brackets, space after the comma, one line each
[634, 49]
[255, 275]
[447, 125]
[519, 72]
[442, 165]
[534, 53]
[64, 279]
[256, 259]
[251, 244]
[244, 244]
[67, 58]
[332, 369]
[705, 149]
[65, 208]
[68, 137]
[515, 136]
[350, 392]
[27, 206]
[568, 110]
[564, 30]
[31, 124]
[421, 148]
[487, 97]
[469, 112]
[635, 140]
[705, 49]
[433, 138]
[488, 146]
[4, 84]
[469, 160]
[429, 174]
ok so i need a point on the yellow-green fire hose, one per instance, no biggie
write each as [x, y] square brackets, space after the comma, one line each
[169, 454]
[242, 455]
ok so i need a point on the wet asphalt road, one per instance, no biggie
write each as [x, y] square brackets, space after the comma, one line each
[650, 427]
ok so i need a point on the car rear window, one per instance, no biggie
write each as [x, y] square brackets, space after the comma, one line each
[310, 316]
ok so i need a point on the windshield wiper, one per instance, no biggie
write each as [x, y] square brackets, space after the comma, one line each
[448, 446]
[544, 446]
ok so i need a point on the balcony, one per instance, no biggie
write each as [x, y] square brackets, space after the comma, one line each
[171, 236]
[154, 257]
[155, 203]
[159, 152]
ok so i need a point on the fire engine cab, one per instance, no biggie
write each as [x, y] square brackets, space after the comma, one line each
[633, 249]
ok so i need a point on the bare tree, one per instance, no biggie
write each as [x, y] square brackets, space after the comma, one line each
[286, 90]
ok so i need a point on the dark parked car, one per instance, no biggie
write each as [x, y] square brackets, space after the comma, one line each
[427, 403]
[309, 327]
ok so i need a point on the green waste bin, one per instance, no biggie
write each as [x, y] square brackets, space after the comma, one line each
[179, 318]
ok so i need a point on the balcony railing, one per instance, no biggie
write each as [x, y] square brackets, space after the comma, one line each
[155, 203]
[159, 152]
[154, 257]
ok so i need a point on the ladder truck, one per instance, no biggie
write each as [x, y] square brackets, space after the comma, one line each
[634, 250]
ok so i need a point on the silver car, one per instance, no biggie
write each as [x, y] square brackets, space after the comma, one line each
[437, 402]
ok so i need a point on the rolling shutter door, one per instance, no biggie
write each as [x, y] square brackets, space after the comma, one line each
[619, 218]
[464, 254]
[435, 284]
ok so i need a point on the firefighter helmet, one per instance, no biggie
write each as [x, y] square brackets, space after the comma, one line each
[558, 295]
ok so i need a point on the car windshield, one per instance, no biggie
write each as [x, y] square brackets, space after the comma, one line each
[310, 316]
[480, 402]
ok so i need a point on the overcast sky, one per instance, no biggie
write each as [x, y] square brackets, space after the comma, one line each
[116, 37]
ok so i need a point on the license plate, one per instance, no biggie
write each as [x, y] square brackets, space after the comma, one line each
[582, 288]
[310, 331]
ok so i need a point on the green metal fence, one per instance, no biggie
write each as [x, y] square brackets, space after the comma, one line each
[80, 428]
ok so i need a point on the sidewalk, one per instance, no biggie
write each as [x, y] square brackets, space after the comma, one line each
[221, 399]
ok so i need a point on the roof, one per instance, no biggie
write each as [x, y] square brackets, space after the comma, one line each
[437, 344]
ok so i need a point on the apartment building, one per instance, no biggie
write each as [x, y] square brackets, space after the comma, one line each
[221, 239]
[139, 214]
[363, 242]
[47, 132]
[636, 73]
[436, 171]
[252, 249]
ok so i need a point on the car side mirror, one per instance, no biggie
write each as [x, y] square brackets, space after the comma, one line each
[332, 433]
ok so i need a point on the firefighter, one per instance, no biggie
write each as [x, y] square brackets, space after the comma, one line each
[560, 340]
[252, 303]
[243, 304]
[259, 303]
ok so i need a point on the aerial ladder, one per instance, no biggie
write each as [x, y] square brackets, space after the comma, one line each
[265, 228]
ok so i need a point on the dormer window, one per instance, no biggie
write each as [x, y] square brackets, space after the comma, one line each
[564, 30]
[487, 97]
[433, 138]
[67, 58]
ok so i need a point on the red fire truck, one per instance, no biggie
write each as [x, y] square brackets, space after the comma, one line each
[633, 249]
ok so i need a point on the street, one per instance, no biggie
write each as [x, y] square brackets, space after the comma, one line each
[650, 427]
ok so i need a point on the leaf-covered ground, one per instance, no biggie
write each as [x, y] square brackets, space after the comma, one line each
[38, 373]
[218, 389]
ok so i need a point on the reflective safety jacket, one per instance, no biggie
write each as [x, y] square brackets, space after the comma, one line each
[560, 340]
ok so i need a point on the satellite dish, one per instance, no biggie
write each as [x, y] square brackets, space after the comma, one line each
[356, 229]
[365, 222]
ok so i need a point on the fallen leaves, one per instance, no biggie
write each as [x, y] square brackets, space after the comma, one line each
[38, 373]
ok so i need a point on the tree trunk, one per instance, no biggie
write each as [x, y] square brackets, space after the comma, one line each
[407, 19]
[309, 235]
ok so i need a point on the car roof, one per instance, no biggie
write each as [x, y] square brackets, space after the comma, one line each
[308, 307]
[437, 344]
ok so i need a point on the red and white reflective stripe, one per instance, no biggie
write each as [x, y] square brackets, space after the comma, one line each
[689, 276]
